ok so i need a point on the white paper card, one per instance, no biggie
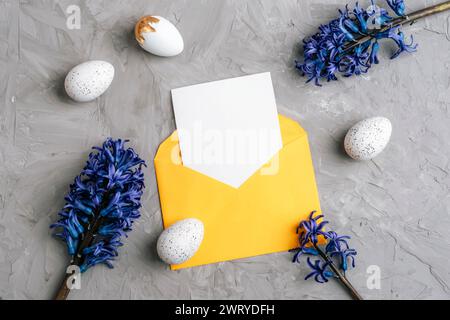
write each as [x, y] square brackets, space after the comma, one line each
[228, 129]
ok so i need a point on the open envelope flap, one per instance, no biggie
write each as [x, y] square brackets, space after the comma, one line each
[259, 217]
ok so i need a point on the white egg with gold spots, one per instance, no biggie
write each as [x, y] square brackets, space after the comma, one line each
[89, 80]
[158, 36]
[179, 242]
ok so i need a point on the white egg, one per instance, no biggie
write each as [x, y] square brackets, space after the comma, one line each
[179, 242]
[89, 80]
[158, 36]
[366, 139]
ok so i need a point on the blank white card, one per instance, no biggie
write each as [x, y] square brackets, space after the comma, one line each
[228, 129]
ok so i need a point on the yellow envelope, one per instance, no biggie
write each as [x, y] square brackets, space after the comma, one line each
[259, 217]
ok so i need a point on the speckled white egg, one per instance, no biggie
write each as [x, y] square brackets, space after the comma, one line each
[368, 138]
[158, 36]
[89, 80]
[179, 242]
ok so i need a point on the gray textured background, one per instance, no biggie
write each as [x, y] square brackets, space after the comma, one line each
[395, 207]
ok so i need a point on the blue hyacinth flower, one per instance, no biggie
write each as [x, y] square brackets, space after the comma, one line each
[102, 204]
[334, 250]
[338, 49]
[320, 271]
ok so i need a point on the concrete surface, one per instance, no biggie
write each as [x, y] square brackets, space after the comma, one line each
[396, 207]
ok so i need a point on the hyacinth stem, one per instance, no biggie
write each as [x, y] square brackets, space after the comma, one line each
[355, 295]
[64, 290]
[409, 18]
